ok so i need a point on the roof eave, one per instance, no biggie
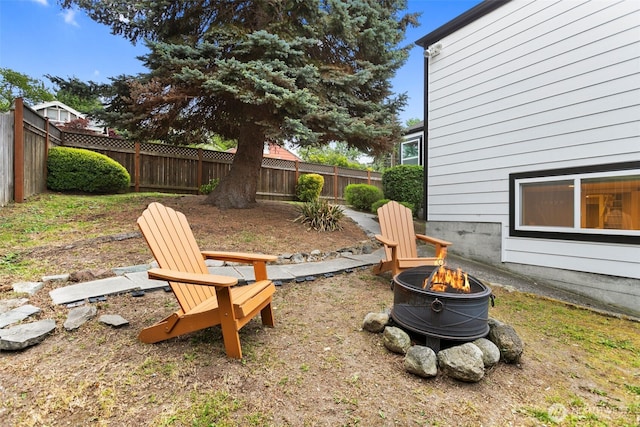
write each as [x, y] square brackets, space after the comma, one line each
[461, 21]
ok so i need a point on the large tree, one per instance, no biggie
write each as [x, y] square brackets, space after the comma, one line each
[258, 71]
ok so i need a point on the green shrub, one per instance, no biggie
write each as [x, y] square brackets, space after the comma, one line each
[404, 183]
[309, 187]
[320, 215]
[378, 204]
[362, 196]
[210, 186]
[382, 202]
[74, 169]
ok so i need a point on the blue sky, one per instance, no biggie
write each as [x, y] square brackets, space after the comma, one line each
[37, 37]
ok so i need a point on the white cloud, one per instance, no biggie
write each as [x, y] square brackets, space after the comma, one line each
[42, 2]
[69, 17]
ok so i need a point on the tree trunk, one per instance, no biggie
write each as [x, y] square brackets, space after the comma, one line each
[238, 189]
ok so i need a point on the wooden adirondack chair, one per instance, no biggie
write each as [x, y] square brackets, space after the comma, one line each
[399, 240]
[205, 299]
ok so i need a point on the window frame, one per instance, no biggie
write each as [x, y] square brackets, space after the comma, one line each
[414, 140]
[575, 232]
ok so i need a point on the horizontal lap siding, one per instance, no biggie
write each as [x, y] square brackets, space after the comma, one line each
[6, 158]
[533, 85]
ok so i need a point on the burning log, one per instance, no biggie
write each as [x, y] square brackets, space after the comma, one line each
[444, 279]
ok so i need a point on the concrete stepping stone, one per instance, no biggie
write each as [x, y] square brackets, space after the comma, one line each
[27, 287]
[11, 303]
[26, 335]
[114, 320]
[17, 314]
[82, 291]
[79, 316]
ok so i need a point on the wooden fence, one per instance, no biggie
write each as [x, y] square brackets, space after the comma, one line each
[25, 138]
[168, 168]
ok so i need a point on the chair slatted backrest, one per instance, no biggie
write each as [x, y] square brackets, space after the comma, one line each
[396, 223]
[174, 247]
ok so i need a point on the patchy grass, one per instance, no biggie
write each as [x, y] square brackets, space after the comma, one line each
[316, 367]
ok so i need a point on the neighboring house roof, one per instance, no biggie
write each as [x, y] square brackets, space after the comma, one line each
[60, 105]
[45, 109]
[276, 152]
[418, 127]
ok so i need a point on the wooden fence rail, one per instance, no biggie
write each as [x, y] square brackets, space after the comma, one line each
[168, 168]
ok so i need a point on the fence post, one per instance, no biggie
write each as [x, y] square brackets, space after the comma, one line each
[136, 167]
[368, 177]
[47, 129]
[335, 184]
[18, 151]
[297, 170]
[199, 178]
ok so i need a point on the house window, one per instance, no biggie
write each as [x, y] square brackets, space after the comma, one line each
[410, 151]
[52, 113]
[598, 203]
[547, 204]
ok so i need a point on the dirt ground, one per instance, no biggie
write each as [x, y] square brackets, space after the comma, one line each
[269, 229]
[317, 367]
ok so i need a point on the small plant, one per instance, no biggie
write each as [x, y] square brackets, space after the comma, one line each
[362, 196]
[309, 187]
[320, 215]
[210, 186]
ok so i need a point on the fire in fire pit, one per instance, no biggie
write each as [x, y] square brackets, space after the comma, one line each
[444, 279]
[440, 303]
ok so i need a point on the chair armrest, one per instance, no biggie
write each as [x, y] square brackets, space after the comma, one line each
[433, 240]
[385, 241]
[246, 258]
[192, 278]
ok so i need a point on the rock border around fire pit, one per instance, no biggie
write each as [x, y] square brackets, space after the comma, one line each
[467, 361]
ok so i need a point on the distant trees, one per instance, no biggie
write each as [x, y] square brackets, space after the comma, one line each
[85, 97]
[335, 154]
[17, 85]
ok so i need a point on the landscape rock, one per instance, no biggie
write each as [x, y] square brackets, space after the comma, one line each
[17, 314]
[11, 303]
[396, 340]
[89, 275]
[507, 340]
[490, 351]
[56, 278]
[462, 362]
[375, 322]
[23, 336]
[114, 320]
[421, 361]
[297, 258]
[27, 287]
[78, 316]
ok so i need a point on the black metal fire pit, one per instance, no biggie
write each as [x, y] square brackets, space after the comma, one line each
[442, 315]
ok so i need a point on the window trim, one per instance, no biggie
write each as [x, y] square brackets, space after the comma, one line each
[587, 235]
[416, 139]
